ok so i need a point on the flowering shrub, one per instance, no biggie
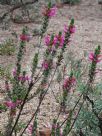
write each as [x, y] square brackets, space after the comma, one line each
[82, 116]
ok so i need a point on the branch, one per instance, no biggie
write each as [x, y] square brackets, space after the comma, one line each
[21, 5]
[92, 104]
[16, 7]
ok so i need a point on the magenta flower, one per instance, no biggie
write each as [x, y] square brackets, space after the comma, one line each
[72, 29]
[30, 129]
[92, 57]
[23, 78]
[55, 40]
[52, 11]
[45, 65]
[60, 40]
[27, 78]
[65, 28]
[49, 12]
[25, 37]
[69, 81]
[12, 105]
[66, 82]
[20, 78]
[47, 40]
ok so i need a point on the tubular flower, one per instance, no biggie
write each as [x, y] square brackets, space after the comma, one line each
[12, 105]
[50, 42]
[65, 28]
[47, 40]
[45, 65]
[72, 29]
[60, 40]
[25, 37]
[50, 12]
[69, 82]
[23, 78]
[30, 128]
[93, 58]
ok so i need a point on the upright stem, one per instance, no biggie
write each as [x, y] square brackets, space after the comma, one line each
[24, 101]
[35, 113]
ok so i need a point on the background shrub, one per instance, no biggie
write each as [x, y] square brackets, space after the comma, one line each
[72, 2]
[7, 48]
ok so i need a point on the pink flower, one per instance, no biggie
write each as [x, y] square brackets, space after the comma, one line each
[25, 37]
[72, 29]
[65, 28]
[55, 40]
[92, 57]
[50, 12]
[45, 65]
[60, 39]
[24, 78]
[66, 82]
[69, 81]
[30, 129]
[61, 132]
[47, 40]
[14, 72]
[20, 78]
[12, 105]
